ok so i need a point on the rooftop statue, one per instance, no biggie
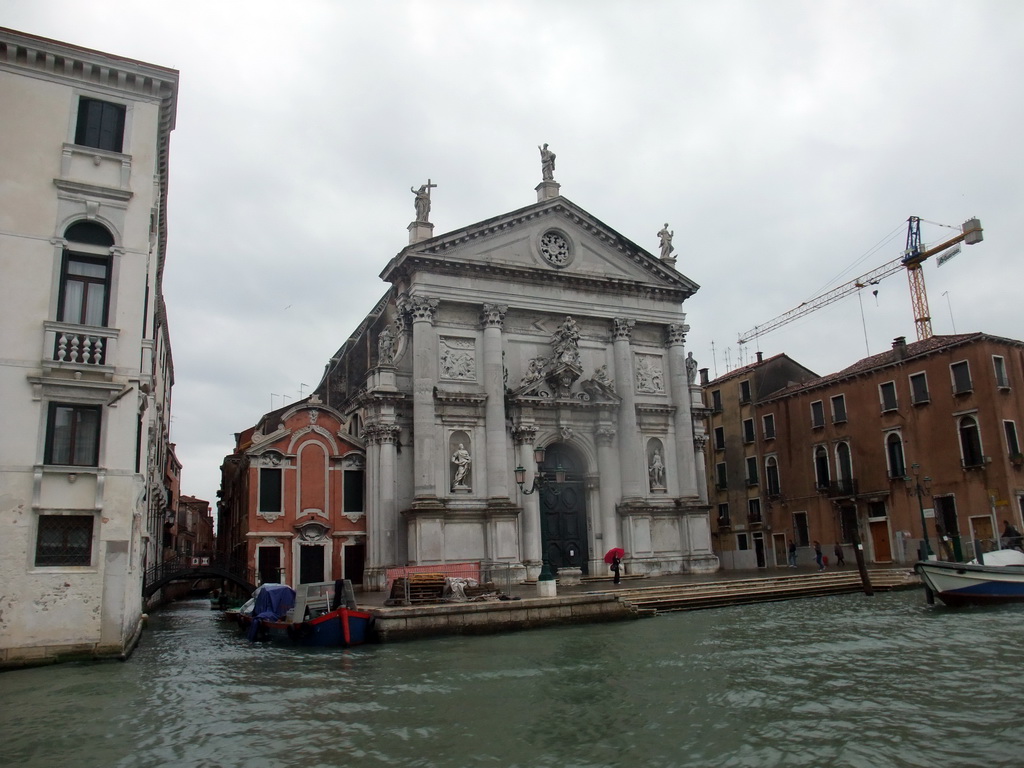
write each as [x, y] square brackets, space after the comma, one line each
[547, 163]
[422, 201]
[665, 238]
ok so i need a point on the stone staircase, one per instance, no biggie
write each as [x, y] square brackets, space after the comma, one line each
[715, 594]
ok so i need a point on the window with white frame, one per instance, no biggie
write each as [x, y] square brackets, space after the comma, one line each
[999, 365]
[1012, 444]
[748, 430]
[745, 391]
[73, 435]
[771, 476]
[821, 471]
[723, 515]
[64, 540]
[754, 510]
[100, 124]
[817, 414]
[894, 456]
[838, 409]
[768, 426]
[719, 438]
[271, 489]
[961, 373]
[353, 483]
[887, 393]
[970, 442]
[919, 388]
[751, 470]
[721, 476]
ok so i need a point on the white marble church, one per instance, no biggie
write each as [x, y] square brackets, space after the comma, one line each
[542, 328]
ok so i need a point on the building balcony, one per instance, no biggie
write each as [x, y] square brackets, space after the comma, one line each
[975, 462]
[754, 518]
[79, 346]
[840, 488]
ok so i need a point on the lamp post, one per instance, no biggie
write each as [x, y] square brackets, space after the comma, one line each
[539, 481]
[915, 485]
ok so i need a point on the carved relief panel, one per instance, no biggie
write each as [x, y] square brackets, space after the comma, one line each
[458, 358]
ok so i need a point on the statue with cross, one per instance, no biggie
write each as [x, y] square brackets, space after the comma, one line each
[422, 201]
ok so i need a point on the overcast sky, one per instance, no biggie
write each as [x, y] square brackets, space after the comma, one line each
[786, 143]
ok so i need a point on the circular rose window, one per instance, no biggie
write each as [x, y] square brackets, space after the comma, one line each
[555, 248]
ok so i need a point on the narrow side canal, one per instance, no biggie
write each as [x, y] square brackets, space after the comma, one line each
[838, 681]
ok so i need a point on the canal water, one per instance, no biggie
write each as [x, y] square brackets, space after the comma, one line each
[836, 681]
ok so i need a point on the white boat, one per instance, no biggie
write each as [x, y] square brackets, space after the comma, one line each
[999, 580]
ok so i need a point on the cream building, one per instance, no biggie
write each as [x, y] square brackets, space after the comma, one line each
[85, 363]
[539, 328]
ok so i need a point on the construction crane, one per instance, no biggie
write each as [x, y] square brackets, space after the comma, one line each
[913, 256]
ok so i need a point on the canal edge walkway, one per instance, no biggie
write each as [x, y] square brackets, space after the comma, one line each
[599, 600]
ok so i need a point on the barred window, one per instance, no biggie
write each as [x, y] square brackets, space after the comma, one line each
[64, 540]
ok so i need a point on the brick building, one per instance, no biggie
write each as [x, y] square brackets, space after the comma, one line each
[924, 433]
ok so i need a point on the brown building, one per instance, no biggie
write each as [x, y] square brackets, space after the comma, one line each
[291, 507]
[741, 488]
[922, 434]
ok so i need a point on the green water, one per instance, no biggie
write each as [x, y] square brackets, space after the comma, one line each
[839, 681]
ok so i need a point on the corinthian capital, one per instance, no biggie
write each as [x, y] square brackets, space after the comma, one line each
[677, 333]
[623, 328]
[422, 308]
[493, 315]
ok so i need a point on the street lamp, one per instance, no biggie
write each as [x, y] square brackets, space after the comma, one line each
[539, 481]
[915, 485]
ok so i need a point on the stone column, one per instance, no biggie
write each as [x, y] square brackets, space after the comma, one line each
[679, 388]
[382, 509]
[631, 454]
[424, 378]
[699, 442]
[494, 387]
[609, 488]
[524, 435]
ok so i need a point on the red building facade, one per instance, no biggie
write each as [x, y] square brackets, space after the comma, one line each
[920, 440]
[291, 506]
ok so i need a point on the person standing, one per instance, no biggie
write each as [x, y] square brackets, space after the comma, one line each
[817, 556]
[838, 551]
[792, 554]
[616, 563]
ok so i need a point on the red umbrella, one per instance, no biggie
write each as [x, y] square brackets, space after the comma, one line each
[614, 552]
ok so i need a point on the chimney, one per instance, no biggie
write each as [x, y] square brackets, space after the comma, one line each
[899, 347]
[760, 357]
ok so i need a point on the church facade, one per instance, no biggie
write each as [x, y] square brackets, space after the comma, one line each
[542, 328]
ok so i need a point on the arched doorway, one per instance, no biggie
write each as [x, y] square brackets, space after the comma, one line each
[563, 509]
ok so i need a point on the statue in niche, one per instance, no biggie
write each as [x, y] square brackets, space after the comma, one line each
[691, 368]
[665, 238]
[566, 342]
[386, 346]
[461, 459]
[422, 201]
[657, 471]
[601, 376]
[547, 163]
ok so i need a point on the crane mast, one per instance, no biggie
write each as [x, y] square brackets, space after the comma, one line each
[913, 256]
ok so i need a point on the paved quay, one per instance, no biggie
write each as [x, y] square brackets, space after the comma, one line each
[599, 599]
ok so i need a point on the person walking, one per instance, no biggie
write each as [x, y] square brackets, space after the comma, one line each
[817, 556]
[838, 551]
[792, 554]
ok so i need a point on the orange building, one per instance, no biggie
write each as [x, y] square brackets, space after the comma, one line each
[291, 507]
[922, 435]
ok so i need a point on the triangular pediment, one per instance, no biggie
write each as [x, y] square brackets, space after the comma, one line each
[553, 240]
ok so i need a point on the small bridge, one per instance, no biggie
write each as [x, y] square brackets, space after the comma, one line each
[185, 568]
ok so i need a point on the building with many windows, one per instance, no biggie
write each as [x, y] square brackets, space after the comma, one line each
[919, 442]
[85, 359]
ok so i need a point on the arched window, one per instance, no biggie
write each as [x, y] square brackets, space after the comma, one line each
[970, 442]
[844, 467]
[771, 476]
[85, 275]
[821, 473]
[894, 452]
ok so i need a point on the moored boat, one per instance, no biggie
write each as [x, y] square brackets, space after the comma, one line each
[999, 579]
[322, 614]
